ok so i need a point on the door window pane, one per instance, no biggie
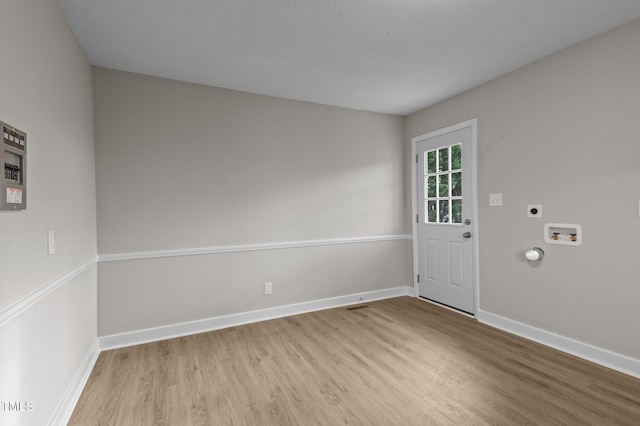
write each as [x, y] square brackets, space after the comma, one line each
[431, 187]
[431, 214]
[443, 211]
[456, 157]
[430, 162]
[456, 184]
[443, 159]
[443, 185]
[456, 211]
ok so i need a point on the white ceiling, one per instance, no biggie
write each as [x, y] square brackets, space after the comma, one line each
[393, 56]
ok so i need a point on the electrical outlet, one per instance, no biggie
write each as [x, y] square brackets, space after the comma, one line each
[268, 288]
[495, 200]
[534, 210]
[51, 242]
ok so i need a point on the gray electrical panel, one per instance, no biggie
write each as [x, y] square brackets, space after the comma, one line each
[13, 160]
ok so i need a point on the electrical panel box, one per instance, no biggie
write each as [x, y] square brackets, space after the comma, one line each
[13, 160]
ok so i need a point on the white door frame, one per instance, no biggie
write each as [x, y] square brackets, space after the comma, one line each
[473, 123]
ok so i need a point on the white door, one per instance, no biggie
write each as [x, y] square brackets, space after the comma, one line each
[445, 248]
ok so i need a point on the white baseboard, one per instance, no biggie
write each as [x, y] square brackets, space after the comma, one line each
[137, 337]
[72, 395]
[604, 357]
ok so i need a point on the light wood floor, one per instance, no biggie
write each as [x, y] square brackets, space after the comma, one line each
[395, 362]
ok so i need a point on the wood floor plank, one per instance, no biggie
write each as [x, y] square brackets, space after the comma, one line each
[400, 361]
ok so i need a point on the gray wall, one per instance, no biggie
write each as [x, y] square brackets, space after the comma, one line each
[45, 83]
[561, 132]
[183, 166]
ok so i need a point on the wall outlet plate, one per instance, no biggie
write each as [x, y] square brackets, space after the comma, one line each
[495, 199]
[534, 210]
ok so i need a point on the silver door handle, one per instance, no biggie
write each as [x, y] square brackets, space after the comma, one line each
[467, 235]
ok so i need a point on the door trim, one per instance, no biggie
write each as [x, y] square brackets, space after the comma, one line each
[473, 123]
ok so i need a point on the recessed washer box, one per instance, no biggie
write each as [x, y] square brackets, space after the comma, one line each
[568, 234]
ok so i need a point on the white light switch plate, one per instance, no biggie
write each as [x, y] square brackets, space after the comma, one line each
[495, 200]
[51, 242]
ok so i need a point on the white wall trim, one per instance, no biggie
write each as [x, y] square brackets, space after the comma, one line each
[137, 337]
[247, 247]
[72, 395]
[604, 357]
[24, 304]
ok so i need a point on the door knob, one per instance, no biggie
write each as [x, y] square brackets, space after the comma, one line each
[467, 235]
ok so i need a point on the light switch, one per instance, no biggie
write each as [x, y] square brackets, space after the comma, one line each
[495, 200]
[52, 242]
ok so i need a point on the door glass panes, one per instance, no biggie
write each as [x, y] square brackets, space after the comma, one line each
[431, 187]
[456, 157]
[431, 213]
[430, 162]
[456, 211]
[443, 159]
[456, 184]
[443, 185]
[443, 211]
